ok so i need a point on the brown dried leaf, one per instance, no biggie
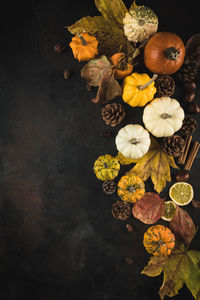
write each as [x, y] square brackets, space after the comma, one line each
[99, 72]
[183, 226]
[149, 209]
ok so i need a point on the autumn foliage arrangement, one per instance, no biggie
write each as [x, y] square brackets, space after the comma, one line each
[112, 45]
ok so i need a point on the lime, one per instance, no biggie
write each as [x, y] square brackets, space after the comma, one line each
[170, 209]
[181, 193]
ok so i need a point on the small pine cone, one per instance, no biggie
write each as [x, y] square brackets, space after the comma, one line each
[173, 145]
[121, 210]
[109, 187]
[165, 86]
[189, 69]
[113, 114]
[189, 125]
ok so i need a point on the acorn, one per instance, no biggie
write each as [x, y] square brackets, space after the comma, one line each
[193, 108]
[188, 97]
[182, 176]
[189, 86]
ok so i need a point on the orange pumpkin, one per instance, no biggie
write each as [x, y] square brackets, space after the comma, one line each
[84, 47]
[130, 188]
[159, 240]
[164, 53]
[122, 67]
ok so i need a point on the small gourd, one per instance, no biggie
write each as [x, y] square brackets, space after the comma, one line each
[138, 89]
[133, 141]
[159, 240]
[164, 53]
[163, 116]
[84, 47]
[130, 188]
[106, 167]
[121, 66]
[140, 23]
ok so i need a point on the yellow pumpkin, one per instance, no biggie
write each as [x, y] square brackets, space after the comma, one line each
[84, 47]
[130, 188]
[106, 167]
[138, 89]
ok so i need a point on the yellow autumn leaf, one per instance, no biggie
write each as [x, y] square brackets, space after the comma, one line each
[124, 160]
[155, 164]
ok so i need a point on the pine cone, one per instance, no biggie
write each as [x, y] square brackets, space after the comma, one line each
[113, 114]
[121, 210]
[189, 69]
[109, 187]
[165, 85]
[173, 145]
[189, 125]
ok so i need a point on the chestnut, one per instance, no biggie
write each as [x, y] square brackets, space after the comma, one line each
[189, 86]
[182, 175]
[188, 97]
[193, 108]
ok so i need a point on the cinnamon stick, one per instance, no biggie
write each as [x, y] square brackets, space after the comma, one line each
[192, 155]
[183, 156]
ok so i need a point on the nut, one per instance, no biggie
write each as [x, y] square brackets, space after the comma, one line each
[67, 73]
[182, 176]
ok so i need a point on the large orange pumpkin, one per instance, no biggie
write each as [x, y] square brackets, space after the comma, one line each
[164, 53]
[159, 240]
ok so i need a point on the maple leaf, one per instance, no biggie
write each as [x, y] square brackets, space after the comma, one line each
[99, 72]
[178, 268]
[155, 164]
[107, 28]
[124, 160]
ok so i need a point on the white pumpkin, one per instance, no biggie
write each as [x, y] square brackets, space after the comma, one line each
[163, 116]
[133, 141]
[140, 23]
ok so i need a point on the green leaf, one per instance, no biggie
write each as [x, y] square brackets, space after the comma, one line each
[178, 268]
[155, 266]
[113, 11]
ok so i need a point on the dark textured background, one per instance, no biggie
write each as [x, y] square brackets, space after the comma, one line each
[58, 239]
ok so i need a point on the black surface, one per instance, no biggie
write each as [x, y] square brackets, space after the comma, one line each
[58, 239]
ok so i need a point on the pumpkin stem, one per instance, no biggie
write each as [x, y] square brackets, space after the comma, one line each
[142, 87]
[172, 53]
[165, 116]
[83, 41]
[134, 141]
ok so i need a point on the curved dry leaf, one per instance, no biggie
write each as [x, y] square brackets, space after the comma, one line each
[124, 160]
[183, 226]
[149, 209]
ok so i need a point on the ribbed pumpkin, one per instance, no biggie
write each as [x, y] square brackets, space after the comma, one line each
[106, 167]
[164, 53]
[130, 188]
[159, 240]
[84, 47]
[138, 89]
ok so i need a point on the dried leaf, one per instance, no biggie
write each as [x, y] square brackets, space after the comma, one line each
[133, 6]
[124, 160]
[112, 11]
[178, 268]
[99, 72]
[183, 226]
[192, 44]
[149, 209]
[108, 29]
[155, 163]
